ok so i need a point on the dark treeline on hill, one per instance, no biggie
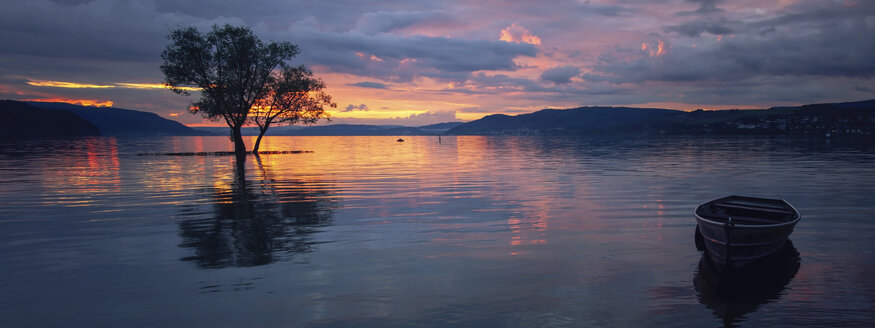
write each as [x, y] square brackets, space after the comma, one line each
[39, 119]
[19, 119]
[123, 122]
[47, 119]
[851, 118]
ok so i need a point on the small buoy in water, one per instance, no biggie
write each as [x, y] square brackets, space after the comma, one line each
[400, 140]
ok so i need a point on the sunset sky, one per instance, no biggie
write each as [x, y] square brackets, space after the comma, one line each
[419, 62]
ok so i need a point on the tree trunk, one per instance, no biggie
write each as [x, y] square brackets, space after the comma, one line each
[239, 146]
[261, 132]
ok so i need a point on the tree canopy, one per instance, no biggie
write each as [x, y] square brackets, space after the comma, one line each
[233, 68]
[294, 96]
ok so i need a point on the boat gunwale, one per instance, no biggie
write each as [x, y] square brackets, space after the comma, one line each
[774, 225]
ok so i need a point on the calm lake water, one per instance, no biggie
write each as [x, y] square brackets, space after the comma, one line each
[465, 232]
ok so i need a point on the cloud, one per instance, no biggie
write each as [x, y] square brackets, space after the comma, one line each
[402, 58]
[518, 34]
[389, 21]
[705, 7]
[352, 107]
[83, 102]
[560, 74]
[695, 29]
[74, 85]
[371, 85]
[840, 46]
[780, 50]
[607, 10]
[71, 85]
[416, 119]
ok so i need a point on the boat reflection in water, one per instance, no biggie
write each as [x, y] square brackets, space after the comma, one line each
[732, 294]
[256, 221]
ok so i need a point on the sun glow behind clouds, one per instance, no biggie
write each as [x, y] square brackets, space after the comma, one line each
[74, 85]
[83, 102]
[151, 86]
[71, 85]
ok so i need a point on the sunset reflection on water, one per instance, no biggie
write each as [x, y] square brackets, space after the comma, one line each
[461, 231]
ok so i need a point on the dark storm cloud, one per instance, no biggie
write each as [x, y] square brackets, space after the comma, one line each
[705, 7]
[603, 10]
[560, 74]
[386, 21]
[109, 41]
[695, 29]
[399, 58]
[500, 83]
[337, 15]
[96, 41]
[839, 45]
[371, 85]
[35, 29]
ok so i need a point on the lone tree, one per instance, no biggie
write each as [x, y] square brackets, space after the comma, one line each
[294, 96]
[233, 68]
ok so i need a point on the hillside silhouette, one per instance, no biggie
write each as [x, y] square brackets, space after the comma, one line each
[851, 118]
[120, 122]
[19, 119]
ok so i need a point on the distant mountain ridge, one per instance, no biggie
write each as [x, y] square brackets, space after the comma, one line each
[345, 130]
[123, 122]
[21, 120]
[835, 118]
[29, 119]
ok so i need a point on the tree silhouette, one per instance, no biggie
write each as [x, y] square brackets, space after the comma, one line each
[257, 221]
[230, 65]
[294, 96]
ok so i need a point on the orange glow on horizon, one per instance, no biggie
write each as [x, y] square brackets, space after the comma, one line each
[74, 85]
[71, 85]
[83, 102]
[153, 86]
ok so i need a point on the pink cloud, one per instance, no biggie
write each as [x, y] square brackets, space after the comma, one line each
[518, 34]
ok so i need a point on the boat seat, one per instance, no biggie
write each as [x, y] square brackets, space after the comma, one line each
[739, 219]
[769, 209]
[742, 220]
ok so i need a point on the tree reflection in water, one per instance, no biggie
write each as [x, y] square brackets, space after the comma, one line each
[733, 295]
[258, 221]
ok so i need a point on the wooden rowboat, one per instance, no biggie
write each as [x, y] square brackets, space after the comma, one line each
[737, 231]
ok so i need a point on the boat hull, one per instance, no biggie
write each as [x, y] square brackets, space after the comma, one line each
[740, 245]
[746, 243]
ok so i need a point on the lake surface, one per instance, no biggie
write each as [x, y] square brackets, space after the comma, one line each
[461, 232]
